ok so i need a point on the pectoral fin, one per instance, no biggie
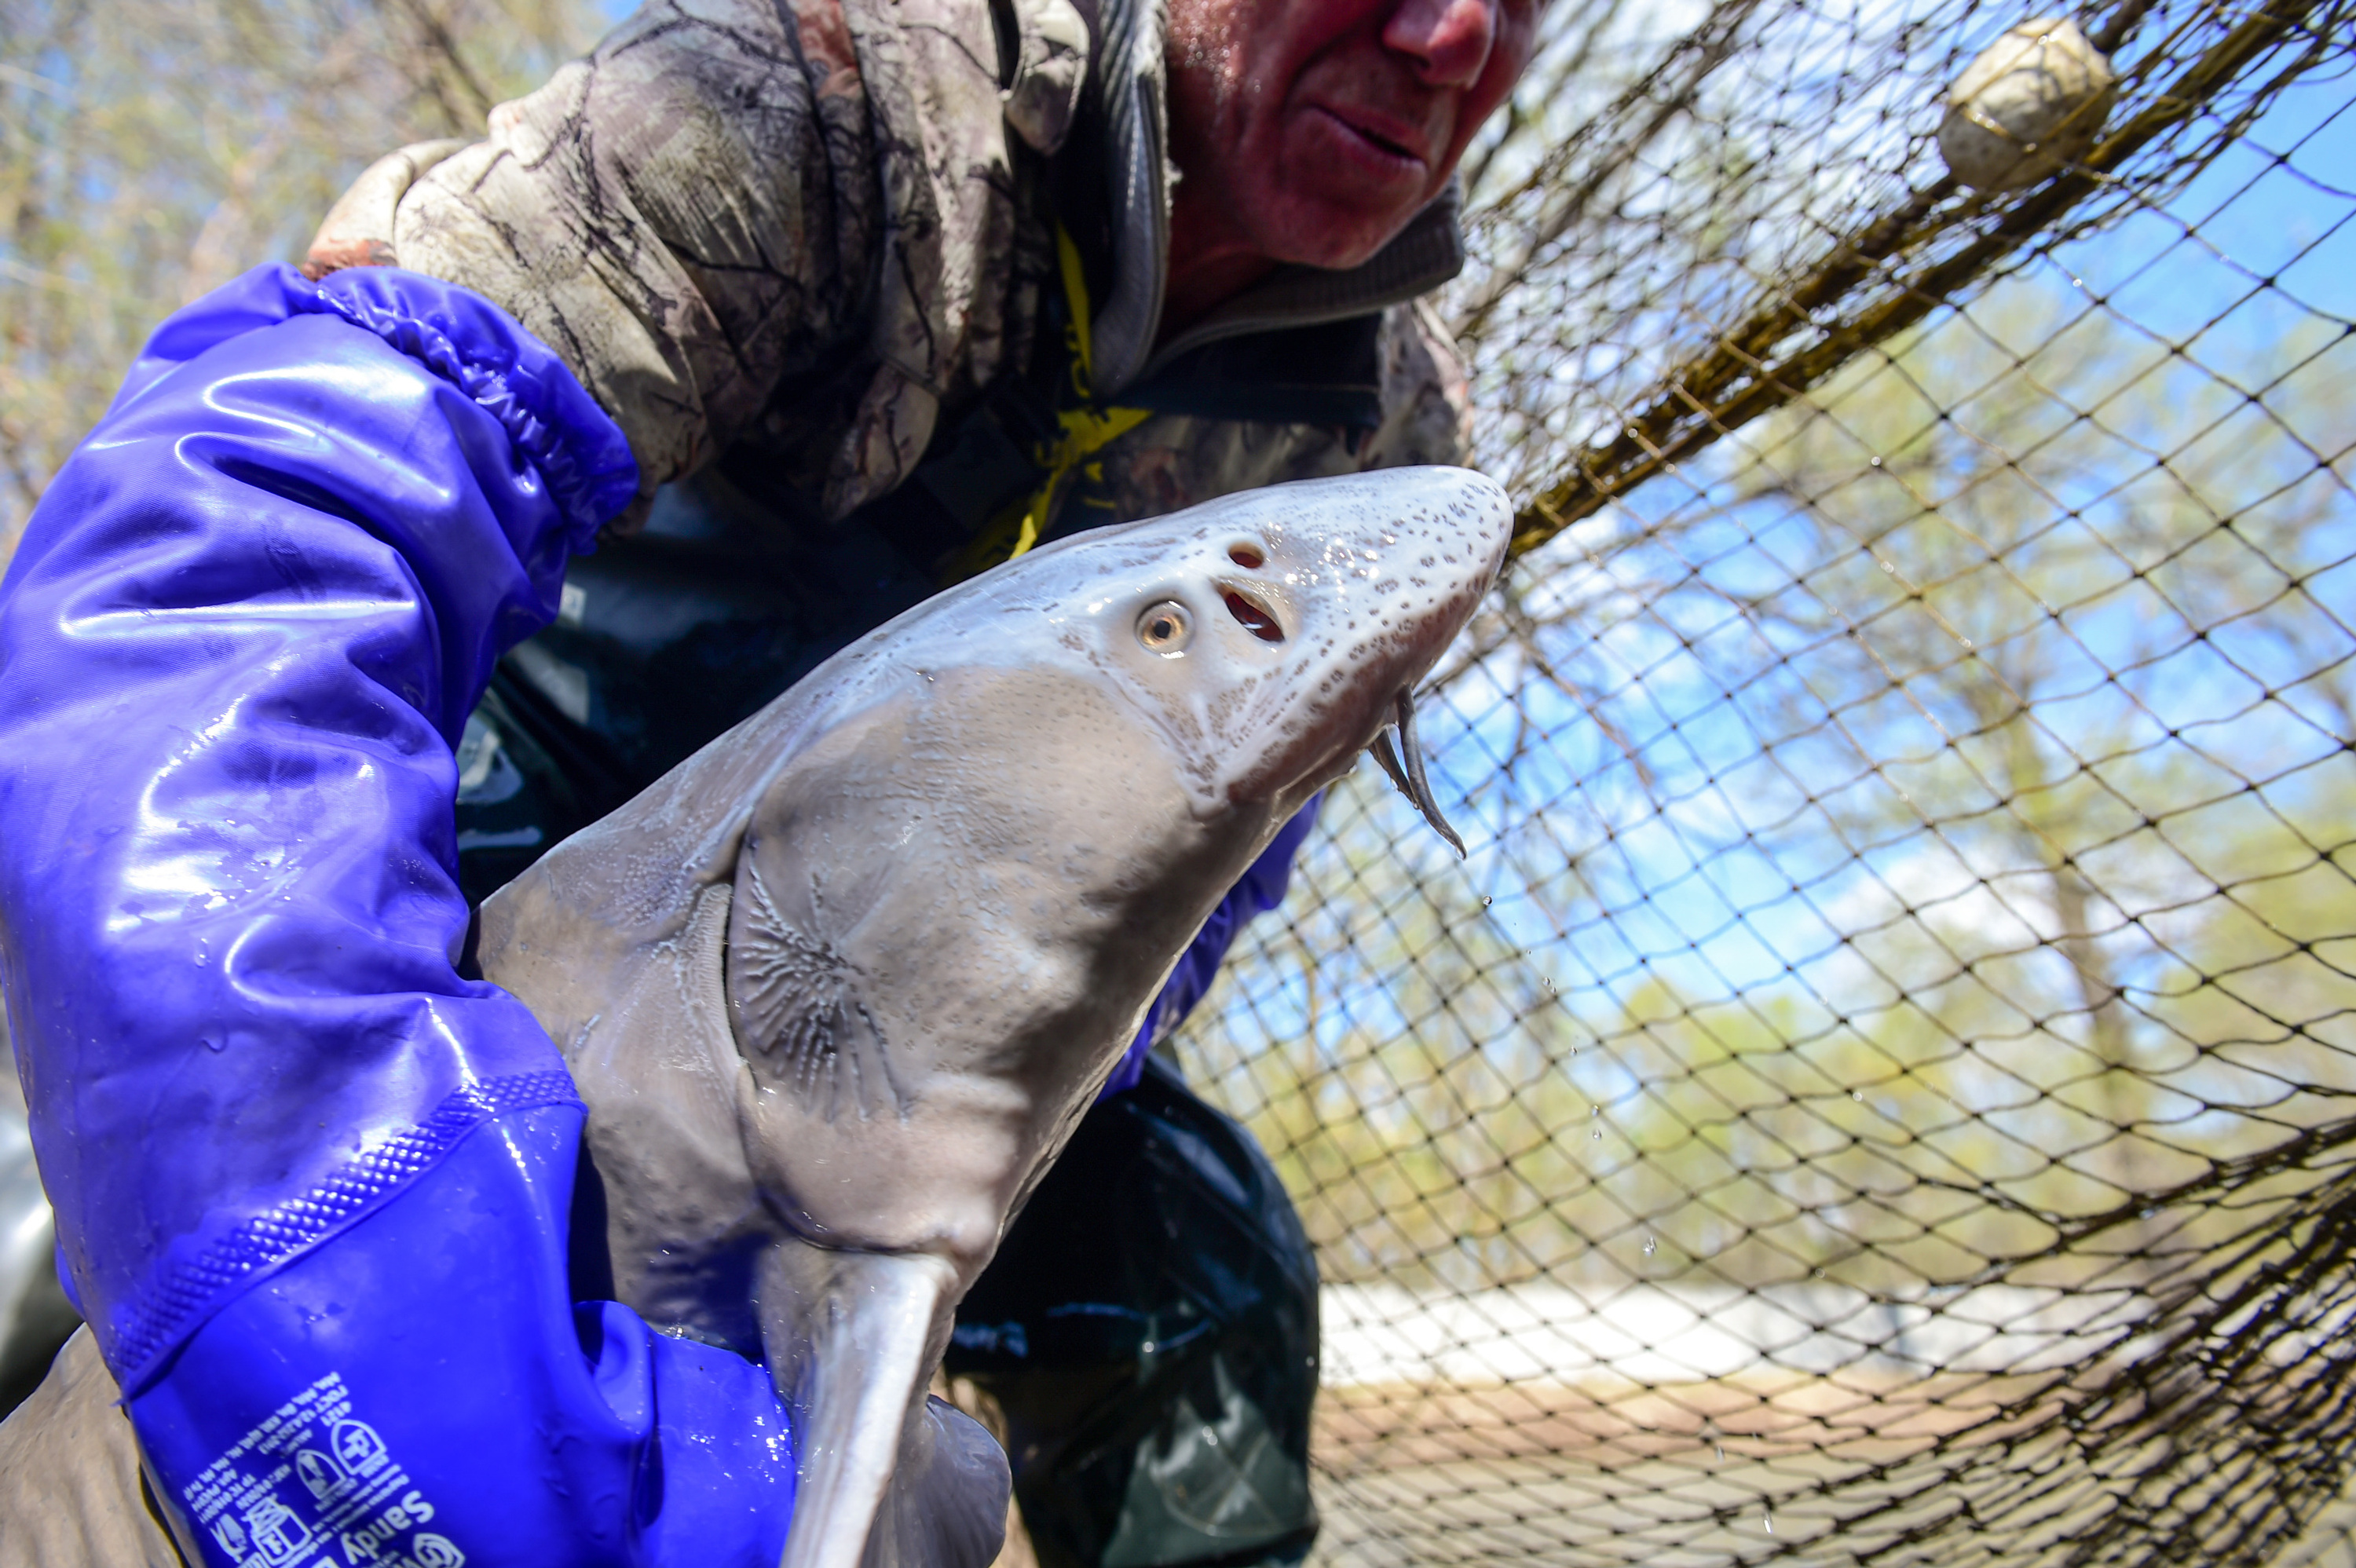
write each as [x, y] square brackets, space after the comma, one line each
[887, 1479]
[946, 1508]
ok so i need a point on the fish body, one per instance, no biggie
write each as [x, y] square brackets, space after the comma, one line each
[837, 988]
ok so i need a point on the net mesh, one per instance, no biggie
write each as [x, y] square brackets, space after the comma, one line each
[1878, 1089]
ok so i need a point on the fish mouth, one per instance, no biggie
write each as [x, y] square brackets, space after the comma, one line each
[1410, 777]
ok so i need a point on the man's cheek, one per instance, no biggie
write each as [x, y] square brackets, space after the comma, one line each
[1518, 40]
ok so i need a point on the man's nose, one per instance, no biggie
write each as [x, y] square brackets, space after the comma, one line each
[1448, 40]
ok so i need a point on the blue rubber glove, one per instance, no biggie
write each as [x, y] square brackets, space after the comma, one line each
[304, 1174]
[417, 1391]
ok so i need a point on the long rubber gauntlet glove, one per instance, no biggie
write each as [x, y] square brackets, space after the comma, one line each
[416, 1392]
[285, 1139]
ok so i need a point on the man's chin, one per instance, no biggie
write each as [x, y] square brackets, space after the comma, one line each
[1335, 222]
[1346, 194]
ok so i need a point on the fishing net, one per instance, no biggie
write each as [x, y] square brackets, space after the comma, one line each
[1878, 1089]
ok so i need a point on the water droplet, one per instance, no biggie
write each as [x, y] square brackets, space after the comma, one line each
[1820, 1274]
[1857, 1095]
[2149, 1214]
[1721, 1453]
[1651, 1246]
[1769, 1520]
[1486, 900]
[1597, 1135]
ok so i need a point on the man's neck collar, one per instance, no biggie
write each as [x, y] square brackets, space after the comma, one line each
[1427, 253]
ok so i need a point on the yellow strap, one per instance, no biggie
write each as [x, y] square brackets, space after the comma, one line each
[1084, 430]
[1075, 306]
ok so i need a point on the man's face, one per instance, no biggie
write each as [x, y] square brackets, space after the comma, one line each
[1316, 128]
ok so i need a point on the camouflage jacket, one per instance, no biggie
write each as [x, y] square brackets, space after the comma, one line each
[816, 231]
[804, 252]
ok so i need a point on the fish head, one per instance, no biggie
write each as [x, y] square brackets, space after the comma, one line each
[1267, 637]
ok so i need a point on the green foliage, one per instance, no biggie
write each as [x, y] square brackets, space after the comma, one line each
[152, 149]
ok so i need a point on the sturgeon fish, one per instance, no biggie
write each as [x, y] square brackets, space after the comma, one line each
[837, 989]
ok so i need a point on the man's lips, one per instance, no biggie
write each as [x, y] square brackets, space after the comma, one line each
[1393, 138]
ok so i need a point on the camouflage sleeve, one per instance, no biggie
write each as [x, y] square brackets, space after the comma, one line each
[687, 217]
[1427, 401]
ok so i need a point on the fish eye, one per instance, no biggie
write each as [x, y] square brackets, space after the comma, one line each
[1165, 628]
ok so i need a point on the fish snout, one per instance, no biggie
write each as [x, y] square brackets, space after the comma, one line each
[1371, 576]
